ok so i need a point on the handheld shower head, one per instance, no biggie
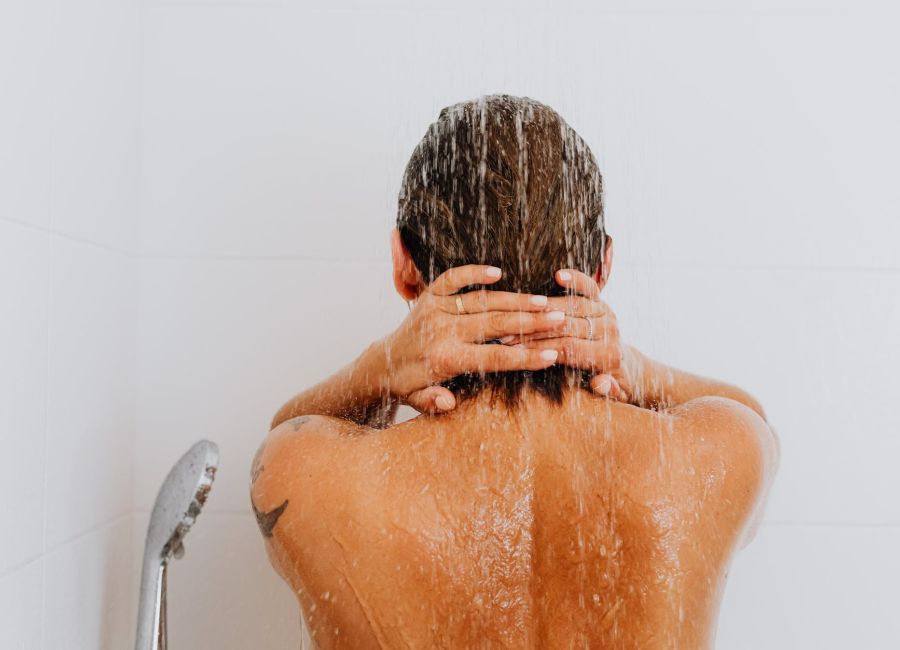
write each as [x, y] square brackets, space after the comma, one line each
[178, 503]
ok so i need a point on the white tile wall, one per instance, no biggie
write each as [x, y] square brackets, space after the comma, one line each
[718, 146]
[822, 587]
[604, 6]
[20, 607]
[89, 594]
[25, 123]
[95, 129]
[69, 82]
[90, 410]
[24, 287]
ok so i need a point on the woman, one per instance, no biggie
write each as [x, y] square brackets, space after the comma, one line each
[560, 488]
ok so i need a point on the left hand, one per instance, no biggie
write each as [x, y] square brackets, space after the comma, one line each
[596, 345]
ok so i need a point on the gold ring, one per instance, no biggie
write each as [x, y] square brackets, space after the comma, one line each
[460, 309]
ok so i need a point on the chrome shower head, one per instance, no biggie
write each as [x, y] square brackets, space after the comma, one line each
[178, 503]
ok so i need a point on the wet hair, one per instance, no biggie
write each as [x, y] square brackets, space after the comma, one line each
[505, 181]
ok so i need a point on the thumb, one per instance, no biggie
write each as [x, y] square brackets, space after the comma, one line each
[433, 399]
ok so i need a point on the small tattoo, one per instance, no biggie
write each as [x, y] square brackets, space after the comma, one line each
[267, 520]
[257, 467]
[298, 422]
[257, 470]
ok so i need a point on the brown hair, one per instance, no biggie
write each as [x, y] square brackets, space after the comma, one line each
[505, 181]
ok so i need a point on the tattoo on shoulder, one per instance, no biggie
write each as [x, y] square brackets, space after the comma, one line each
[298, 422]
[267, 520]
[257, 467]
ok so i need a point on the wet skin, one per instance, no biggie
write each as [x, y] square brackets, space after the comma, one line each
[590, 524]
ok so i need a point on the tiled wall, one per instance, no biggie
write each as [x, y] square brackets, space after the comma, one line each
[69, 111]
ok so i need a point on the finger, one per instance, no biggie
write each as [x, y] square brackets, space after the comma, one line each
[476, 302]
[602, 384]
[579, 353]
[579, 327]
[433, 399]
[502, 358]
[578, 282]
[459, 277]
[590, 329]
[579, 305]
[607, 386]
[491, 325]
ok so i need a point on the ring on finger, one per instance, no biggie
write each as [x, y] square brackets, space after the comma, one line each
[590, 323]
[460, 308]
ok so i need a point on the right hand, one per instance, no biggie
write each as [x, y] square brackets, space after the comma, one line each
[590, 339]
[438, 341]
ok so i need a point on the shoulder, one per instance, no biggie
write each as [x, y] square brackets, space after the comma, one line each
[294, 439]
[303, 426]
[727, 422]
[733, 448]
[291, 466]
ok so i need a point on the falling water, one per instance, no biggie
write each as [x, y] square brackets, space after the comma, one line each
[535, 513]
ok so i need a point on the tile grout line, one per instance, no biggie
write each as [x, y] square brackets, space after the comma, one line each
[138, 271]
[75, 238]
[37, 557]
[48, 551]
[90, 531]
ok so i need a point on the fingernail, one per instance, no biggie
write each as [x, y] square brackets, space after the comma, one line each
[540, 301]
[549, 355]
[604, 386]
[493, 272]
[443, 402]
[565, 276]
[556, 315]
[507, 339]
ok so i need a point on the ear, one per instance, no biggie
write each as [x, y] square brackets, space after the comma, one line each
[602, 273]
[407, 279]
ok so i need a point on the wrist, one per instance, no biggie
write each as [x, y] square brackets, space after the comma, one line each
[370, 374]
[635, 367]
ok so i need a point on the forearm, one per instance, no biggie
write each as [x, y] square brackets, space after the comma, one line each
[659, 386]
[357, 393]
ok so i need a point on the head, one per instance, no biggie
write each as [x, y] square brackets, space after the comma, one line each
[504, 181]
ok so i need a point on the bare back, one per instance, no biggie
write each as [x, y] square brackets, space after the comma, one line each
[583, 525]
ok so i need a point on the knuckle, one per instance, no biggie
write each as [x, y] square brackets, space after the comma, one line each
[497, 321]
[439, 362]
